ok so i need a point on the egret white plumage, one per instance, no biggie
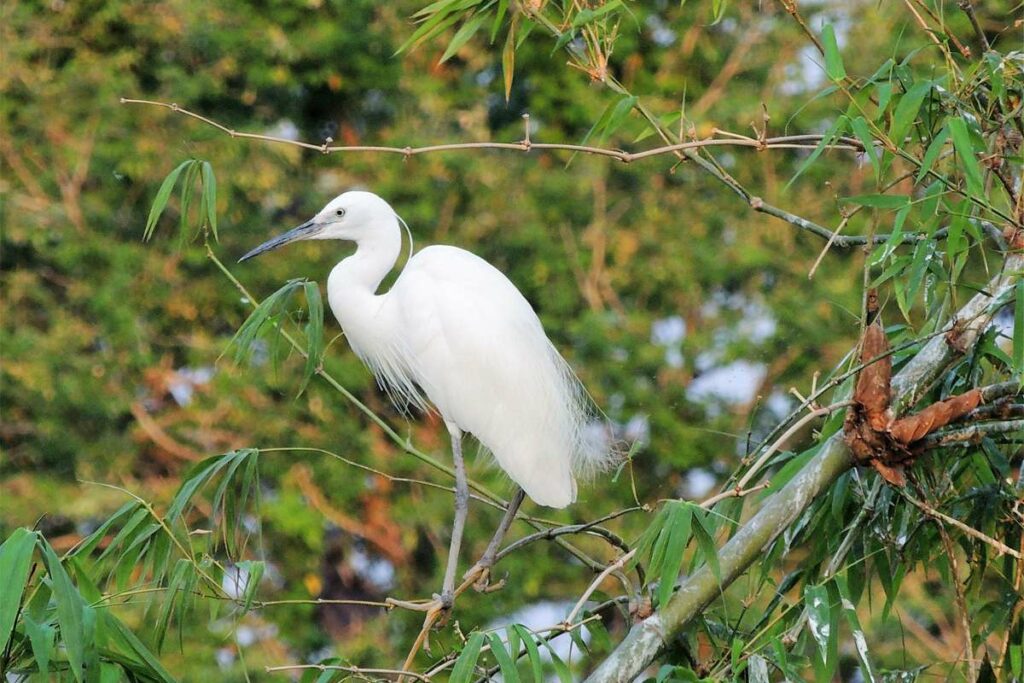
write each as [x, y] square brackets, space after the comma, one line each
[455, 331]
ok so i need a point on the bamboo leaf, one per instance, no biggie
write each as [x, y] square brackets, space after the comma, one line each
[508, 59]
[462, 36]
[505, 663]
[879, 201]
[906, 111]
[210, 198]
[188, 187]
[462, 672]
[837, 129]
[677, 529]
[532, 652]
[833, 60]
[932, 153]
[969, 163]
[70, 613]
[314, 333]
[860, 129]
[706, 545]
[41, 637]
[130, 642]
[160, 201]
[15, 565]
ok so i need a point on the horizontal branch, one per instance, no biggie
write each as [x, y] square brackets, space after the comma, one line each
[527, 145]
[684, 149]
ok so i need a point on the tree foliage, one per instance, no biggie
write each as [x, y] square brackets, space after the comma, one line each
[678, 286]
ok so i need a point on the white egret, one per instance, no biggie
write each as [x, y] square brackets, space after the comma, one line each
[455, 329]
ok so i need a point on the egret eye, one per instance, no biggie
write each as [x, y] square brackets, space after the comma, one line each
[339, 213]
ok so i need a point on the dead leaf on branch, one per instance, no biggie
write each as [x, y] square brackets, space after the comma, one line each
[915, 427]
[871, 432]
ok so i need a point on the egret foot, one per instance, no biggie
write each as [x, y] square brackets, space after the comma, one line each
[479, 575]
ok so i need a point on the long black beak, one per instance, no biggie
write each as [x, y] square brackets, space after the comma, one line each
[304, 231]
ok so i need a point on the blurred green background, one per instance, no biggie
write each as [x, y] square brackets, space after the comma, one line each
[687, 315]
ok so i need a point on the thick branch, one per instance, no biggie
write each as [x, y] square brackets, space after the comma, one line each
[648, 638]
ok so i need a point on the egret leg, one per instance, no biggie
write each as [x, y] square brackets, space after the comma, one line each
[461, 508]
[481, 570]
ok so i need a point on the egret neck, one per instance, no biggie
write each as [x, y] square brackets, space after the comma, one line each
[352, 287]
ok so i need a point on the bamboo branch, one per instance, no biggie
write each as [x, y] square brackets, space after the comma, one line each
[684, 150]
[647, 639]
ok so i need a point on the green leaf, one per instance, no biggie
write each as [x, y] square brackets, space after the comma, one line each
[906, 112]
[188, 187]
[160, 202]
[462, 36]
[440, 15]
[879, 201]
[210, 198]
[532, 652]
[70, 613]
[122, 636]
[895, 237]
[677, 530]
[15, 565]
[859, 641]
[833, 60]
[706, 545]
[837, 129]
[860, 128]
[314, 333]
[586, 15]
[41, 638]
[462, 672]
[505, 662]
[969, 163]
[932, 153]
[819, 620]
[611, 118]
[499, 16]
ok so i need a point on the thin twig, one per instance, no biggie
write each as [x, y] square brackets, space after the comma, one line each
[614, 566]
[999, 546]
[781, 441]
[734, 492]
[357, 670]
[525, 145]
[968, 9]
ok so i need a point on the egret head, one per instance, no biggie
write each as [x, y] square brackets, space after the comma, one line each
[349, 216]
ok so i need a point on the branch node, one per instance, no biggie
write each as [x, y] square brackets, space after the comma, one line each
[756, 203]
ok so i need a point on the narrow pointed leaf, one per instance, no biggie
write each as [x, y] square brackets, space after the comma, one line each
[160, 201]
[15, 565]
[462, 672]
[968, 162]
[210, 198]
[833, 60]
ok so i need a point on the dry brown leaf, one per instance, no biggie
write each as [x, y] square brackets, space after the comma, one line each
[935, 416]
[873, 383]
